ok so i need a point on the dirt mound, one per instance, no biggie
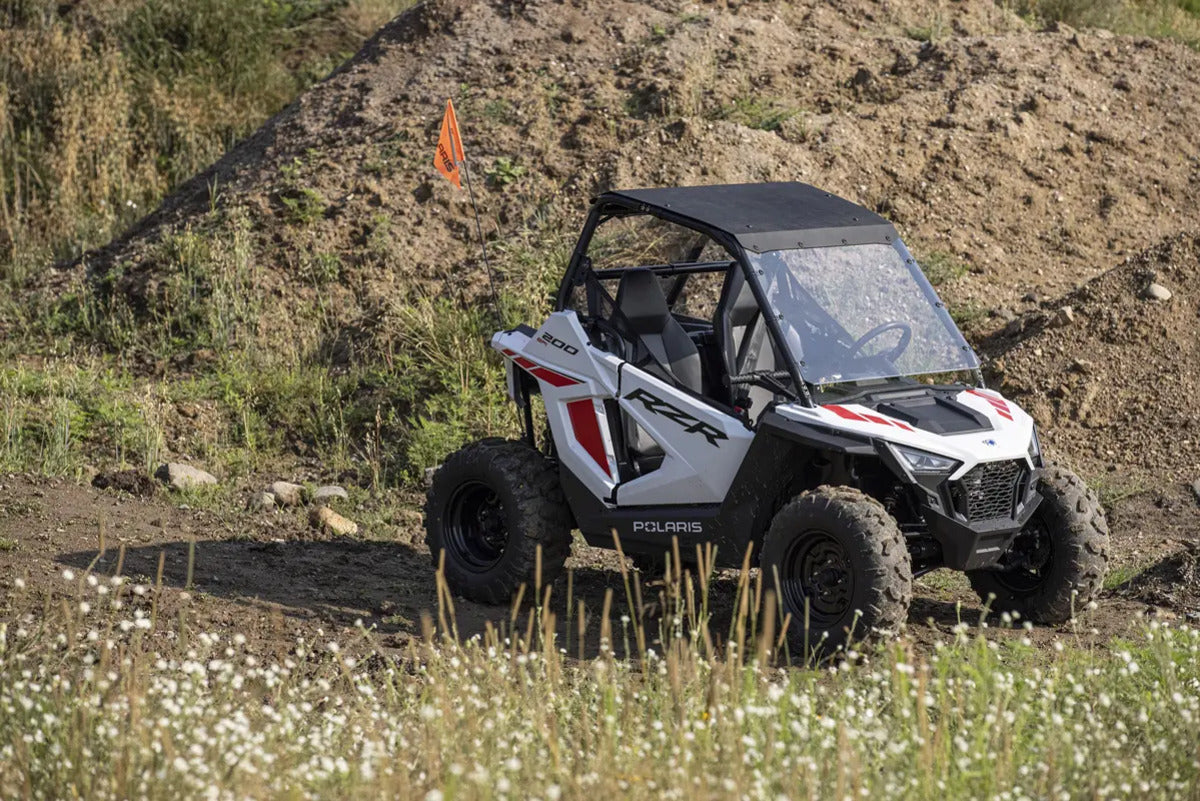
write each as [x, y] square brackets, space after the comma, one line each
[1173, 582]
[1034, 157]
[135, 482]
[1115, 386]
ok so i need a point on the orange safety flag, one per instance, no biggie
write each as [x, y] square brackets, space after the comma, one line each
[449, 147]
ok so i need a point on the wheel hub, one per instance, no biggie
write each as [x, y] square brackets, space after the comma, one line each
[819, 578]
[476, 529]
[1029, 558]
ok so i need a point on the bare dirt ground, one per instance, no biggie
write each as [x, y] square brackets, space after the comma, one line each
[268, 578]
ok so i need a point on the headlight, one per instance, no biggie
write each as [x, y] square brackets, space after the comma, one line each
[1035, 448]
[926, 463]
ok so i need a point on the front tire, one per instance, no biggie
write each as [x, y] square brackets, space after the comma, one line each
[1063, 551]
[490, 506]
[843, 568]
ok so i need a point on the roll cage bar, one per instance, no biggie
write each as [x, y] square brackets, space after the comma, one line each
[609, 206]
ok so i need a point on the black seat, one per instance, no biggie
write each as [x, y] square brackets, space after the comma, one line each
[641, 300]
[746, 341]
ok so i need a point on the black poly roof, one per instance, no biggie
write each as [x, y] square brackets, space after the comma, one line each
[771, 216]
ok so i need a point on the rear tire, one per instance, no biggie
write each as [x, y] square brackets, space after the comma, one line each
[490, 506]
[1067, 542]
[843, 566]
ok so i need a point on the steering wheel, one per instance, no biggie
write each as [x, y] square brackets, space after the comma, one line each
[894, 353]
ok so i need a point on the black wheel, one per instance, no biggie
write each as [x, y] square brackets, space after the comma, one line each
[490, 506]
[843, 568]
[1056, 565]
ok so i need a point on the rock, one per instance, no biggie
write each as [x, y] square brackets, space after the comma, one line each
[1063, 317]
[328, 493]
[183, 476]
[286, 493]
[1030, 297]
[903, 64]
[1196, 489]
[261, 502]
[1156, 291]
[330, 522]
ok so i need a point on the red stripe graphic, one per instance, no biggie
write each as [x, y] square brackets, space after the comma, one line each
[999, 405]
[847, 414]
[843, 412]
[552, 378]
[544, 373]
[587, 431]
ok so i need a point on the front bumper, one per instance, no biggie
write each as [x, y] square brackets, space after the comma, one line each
[974, 545]
[973, 530]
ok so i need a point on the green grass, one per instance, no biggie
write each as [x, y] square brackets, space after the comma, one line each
[1167, 19]
[945, 583]
[102, 696]
[1113, 490]
[105, 107]
[941, 267]
[766, 114]
[504, 171]
[423, 380]
[1122, 574]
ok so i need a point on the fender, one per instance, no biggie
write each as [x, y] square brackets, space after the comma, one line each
[813, 436]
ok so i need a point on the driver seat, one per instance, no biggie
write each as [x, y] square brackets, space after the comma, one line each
[747, 343]
[643, 304]
[641, 301]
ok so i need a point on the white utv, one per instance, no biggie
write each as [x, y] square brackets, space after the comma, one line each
[766, 366]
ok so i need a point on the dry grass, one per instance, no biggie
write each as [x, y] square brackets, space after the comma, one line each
[102, 696]
[105, 106]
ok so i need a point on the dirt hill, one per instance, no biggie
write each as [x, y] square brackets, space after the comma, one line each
[1115, 385]
[1038, 159]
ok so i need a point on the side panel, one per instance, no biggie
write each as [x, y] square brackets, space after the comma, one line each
[703, 446]
[574, 378]
[777, 454]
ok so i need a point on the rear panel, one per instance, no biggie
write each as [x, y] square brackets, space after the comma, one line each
[702, 446]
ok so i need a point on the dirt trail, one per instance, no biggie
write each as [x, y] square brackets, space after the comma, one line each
[266, 577]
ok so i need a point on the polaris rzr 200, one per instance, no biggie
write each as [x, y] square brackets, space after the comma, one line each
[766, 366]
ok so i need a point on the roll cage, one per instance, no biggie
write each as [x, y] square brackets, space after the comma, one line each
[580, 275]
[822, 220]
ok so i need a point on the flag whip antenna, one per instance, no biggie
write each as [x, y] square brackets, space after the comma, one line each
[483, 244]
[449, 156]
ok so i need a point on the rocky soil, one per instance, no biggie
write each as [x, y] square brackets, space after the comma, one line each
[1114, 386]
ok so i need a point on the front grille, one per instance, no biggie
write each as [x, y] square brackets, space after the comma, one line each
[990, 491]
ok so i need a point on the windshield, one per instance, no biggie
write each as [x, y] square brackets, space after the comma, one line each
[858, 313]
